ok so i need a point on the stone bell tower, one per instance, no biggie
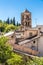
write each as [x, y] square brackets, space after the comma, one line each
[26, 19]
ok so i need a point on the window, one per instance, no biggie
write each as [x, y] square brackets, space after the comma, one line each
[30, 34]
[12, 36]
[41, 32]
[39, 28]
[22, 17]
[34, 41]
[28, 23]
[27, 17]
[33, 47]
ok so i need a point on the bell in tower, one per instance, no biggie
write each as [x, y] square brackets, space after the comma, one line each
[26, 19]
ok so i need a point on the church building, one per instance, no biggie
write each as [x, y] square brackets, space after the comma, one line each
[28, 39]
[28, 36]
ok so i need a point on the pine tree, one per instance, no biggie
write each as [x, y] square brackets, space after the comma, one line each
[11, 21]
[8, 21]
[17, 23]
[14, 21]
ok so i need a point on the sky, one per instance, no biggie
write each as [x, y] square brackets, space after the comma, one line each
[14, 8]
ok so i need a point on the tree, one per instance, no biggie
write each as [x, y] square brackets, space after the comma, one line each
[8, 21]
[15, 60]
[7, 56]
[14, 21]
[5, 50]
[11, 21]
[2, 27]
[0, 21]
[17, 23]
[10, 27]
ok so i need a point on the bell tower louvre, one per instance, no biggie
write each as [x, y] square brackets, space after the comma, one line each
[26, 19]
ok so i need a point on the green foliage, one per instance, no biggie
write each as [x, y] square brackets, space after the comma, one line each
[6, 54]
[38, 60]
[10, 58]
[0, 21]
[9, 28]
[2, 27]
[15, 60]
[5, 50]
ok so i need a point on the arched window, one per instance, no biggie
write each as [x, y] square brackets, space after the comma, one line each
[34, 41]
[28, 23]
[30, 34]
